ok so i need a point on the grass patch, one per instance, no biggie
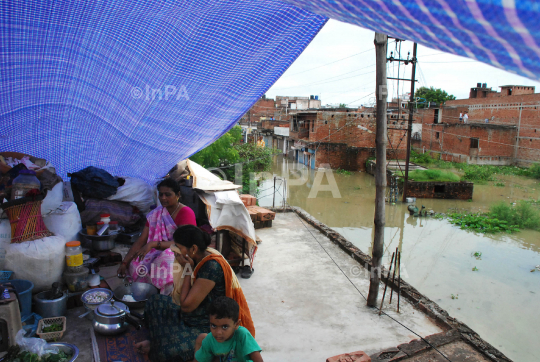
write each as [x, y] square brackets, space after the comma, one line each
[432, 176]
[500, 218]
[339, 171]
[474, 172]
[500, 184]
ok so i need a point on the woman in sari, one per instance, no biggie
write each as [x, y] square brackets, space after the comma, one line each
[207, 275]
[150, 260]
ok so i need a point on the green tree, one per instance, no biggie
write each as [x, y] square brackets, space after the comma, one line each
[221, 152]
[432, 95]
[227, 151]
[342, 105]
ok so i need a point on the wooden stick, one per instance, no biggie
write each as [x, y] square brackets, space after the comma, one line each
[393, 277]
[386, 284]
[399, 280]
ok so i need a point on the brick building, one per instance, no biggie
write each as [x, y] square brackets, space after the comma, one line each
[503, 127]
[341, 137]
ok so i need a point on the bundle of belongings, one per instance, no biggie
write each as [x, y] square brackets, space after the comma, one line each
[125, 199]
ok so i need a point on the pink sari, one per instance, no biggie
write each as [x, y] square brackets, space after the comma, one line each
[156, 267]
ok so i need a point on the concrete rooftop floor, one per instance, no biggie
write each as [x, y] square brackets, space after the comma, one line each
[305, 309]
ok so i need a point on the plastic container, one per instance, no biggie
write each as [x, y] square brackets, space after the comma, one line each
[91, 229]
[76, 281]
[113, 226]
[74, 258]
[5, 275]
[24, 289]
[46, 322]
[105, 218]
[23, 183]
[30, 324]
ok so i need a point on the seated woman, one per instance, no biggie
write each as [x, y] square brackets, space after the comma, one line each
[150, 260]
[175, 328]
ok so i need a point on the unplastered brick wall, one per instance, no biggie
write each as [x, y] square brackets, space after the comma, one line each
[271, 124]
[455, 139]
[354, 129]
[349, 158]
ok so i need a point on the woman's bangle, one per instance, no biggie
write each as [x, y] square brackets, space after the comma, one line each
[124, 262]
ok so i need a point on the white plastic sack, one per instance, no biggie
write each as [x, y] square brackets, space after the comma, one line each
[65, 221]
[227, 198]
[5, 240]
[53, 199]
[40, 261]
[137, 193]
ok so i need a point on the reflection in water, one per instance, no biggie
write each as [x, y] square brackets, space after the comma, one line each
[499, 301]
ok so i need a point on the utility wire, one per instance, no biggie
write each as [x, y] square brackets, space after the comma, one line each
[358, 290]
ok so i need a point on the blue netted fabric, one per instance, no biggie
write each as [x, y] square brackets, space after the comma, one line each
[135, 86]
[503, 33]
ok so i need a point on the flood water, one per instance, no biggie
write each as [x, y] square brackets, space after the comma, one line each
[500, 300]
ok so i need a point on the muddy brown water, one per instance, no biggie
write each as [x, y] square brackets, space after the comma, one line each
[500, 300]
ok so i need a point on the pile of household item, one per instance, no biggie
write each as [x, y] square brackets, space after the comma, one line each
[51, 233]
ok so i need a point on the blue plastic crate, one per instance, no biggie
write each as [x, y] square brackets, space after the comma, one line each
[5, 275]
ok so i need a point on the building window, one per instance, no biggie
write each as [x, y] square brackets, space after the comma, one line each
[436, 116]
[474, 142]
[437, 134]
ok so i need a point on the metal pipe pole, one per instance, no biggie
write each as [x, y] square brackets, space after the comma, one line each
[386, 284]
[381, 92]
[409, 132]
[274, 194]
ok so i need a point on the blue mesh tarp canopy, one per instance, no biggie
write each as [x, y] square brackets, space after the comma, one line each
[135, 86]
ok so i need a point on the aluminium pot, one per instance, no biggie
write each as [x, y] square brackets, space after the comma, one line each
[100, 242]
[48, 308]
[113, 318]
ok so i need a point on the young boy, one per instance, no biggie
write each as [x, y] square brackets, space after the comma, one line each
[228, 342]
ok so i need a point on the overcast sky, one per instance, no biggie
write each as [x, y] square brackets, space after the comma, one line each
[350, 78]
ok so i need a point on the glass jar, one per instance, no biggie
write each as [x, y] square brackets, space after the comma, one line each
[23, 183]
[74, 257]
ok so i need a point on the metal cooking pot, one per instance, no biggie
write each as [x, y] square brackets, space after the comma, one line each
[48, 308]
[139, 291]
[113, 318]
[100, 243]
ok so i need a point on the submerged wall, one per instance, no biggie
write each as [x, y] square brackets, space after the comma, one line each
[440, 190]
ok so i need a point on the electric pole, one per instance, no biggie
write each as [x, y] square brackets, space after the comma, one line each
[381, 93]
[409, 131]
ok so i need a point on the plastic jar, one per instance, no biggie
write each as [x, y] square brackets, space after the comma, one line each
[105, 218]
[74, 257]
[113, 226]
[76, 281]
[23, 183]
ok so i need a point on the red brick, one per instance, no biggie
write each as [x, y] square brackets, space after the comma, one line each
[350, 357]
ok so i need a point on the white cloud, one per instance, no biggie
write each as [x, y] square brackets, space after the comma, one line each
[351, 79]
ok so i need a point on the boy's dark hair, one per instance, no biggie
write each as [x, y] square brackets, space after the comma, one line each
[224, 307]
[189, 235]
[170, 183]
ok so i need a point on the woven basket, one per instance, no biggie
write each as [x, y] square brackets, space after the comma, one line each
[46, 322]
[25, 219]
[5, 275]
